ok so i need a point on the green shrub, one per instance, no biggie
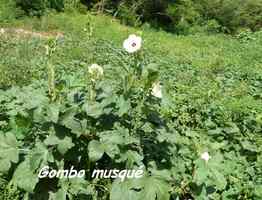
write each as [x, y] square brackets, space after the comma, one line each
[9, 192]
[233, 14]
[39, 7]
[250, 15]
[128, 15]
[178, 16]
[9, 11]
[212, 26]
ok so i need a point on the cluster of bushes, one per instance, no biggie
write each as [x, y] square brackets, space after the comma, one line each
[17, 8]
[180, 15]
[176, 16]
[39, 7]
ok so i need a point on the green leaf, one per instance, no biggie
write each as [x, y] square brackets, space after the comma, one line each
[80, 186]
[4, 165]
[40, 156]
[69, 121]
[24, 178]
[218, 179]
[53, 112]
[154, 189]
[111, 149]
[124, 106]
[201, 194]
[249, 146]
[123, 190]
[95, 150]
[258, 191]
[59, 195]
[51, 140]
[65, 144]
[201, 172]
[147, 187]
[150, 74]
[93, 109]
[20, 126]
[131, 158]
[232, 128]
[8, 151]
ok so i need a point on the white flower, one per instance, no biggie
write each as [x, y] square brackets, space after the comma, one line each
[2, 31]
[205, 156]
[96, 71]
[156, 90]
[132, 44]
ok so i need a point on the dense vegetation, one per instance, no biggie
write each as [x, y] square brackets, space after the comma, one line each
[54, 111]
[180, 16]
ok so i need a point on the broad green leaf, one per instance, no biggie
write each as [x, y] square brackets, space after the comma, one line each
[124, 190]
[112, 137]
[65, 144]
[76, 126]
[4, 165]
[80, 186]
[154, 188]
[93, 109]
[249, 146]
[150, 74]
[8, 151]
[201, 172]
[24, 177]
[20, 126]
[59, 195]
[111, 149]
[69, 121]
[124, 106]
[51, 140]
[201, 195]
[232, 128]
[53, 112]
[162, 174]
[40, 156]
[131, 158]
[95, 150]
[119, 136]
[258, 191]
[218, 179]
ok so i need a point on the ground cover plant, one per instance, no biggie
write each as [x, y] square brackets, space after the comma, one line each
[187, 109]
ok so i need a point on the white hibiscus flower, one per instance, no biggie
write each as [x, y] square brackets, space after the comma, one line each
[205, 156]
[96, 71]
[133, 43]
[156, 90]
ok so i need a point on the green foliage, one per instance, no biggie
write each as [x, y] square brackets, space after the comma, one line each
[39, 7]
[211, 88]
[8, 191]
[175, 16]
[8, 150]
[15, 70]
[234, 14]
[128, 15]
[8, 11]
[179, 16]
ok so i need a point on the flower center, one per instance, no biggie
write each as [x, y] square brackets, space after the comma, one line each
[133, 44]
